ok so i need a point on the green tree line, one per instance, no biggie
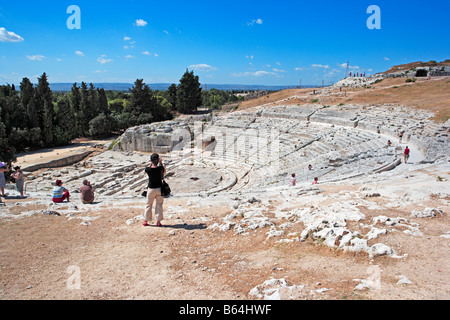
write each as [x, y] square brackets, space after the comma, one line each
[36, 117]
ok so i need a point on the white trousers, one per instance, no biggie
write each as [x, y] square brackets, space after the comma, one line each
[152, 195]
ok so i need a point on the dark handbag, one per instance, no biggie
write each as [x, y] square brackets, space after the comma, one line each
[165, 189]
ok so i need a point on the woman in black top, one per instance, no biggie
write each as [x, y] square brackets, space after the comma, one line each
[156, 173]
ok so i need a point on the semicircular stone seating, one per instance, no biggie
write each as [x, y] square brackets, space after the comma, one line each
[263, 147]
[339, 142]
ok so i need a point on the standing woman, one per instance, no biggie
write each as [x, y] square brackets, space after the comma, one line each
[156, 173]
[3, 168]
[20, 179]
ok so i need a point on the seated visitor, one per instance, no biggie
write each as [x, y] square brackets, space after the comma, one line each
[87, 192]
[60, 193]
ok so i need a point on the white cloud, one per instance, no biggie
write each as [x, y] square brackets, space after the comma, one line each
[202, 67]
[344, 65]
[299, 69]
[278, 70]
[254, 74]
[166, 32]
[104, 60]
[58, 59]
[386, 58]
[79, 53]
[141, 23]
[156, 55]
[129, 57]
[257, 21]
[146, 53]
[9, 36]
[37, 57]
[320, 66]
[332, 73]
[126, 39]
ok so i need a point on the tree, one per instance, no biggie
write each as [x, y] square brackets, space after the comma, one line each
[84, 112]
[47, 131]
[172, 96]
[27, 97]
[189, 93]
[102, 126]
[7, 151]
[66, 129]
[75, 102]
[33, 115]
[143, 104]
[43, 96]
[102, 103]
[93, 111]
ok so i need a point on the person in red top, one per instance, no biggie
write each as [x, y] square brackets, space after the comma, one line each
[406, 154]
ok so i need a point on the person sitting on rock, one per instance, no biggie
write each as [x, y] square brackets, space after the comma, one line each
[316, 180]
[87, 192]
[60, 193]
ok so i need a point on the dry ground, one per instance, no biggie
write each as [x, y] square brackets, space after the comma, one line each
[185, 260]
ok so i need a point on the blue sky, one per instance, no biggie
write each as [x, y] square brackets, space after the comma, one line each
[224, 42]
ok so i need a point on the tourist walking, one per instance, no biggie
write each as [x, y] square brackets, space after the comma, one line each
[19, 178]
[156, 173]
[292, 180]
[316, 180]
[87, 192]
[406, 154]
[400, 137]
[3, 168]
[60, 193]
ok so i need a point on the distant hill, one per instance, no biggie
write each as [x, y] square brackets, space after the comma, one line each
[417, 64]
[164, 86]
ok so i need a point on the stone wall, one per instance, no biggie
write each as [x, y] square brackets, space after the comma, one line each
[155, 138]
